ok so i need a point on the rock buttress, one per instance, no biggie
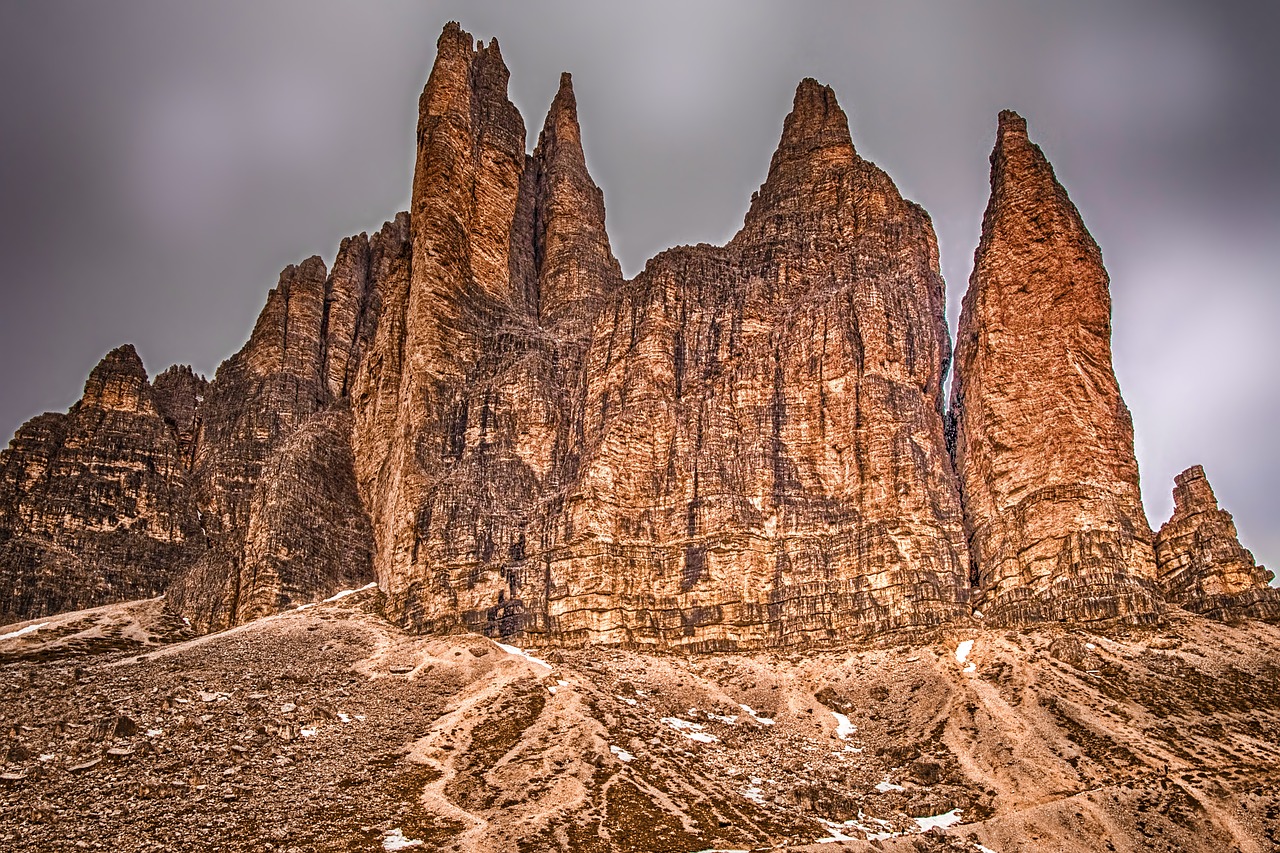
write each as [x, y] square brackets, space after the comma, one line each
[1203, 567]
[273, 472]
[95, 504]
[1043, 442]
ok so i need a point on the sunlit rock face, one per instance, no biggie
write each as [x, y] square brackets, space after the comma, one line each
[1203, 567]
[742, 446]
[1043, 442]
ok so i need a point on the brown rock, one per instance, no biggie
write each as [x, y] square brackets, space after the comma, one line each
[743, 446]
[95, 505]
[1043, 442]
[1202, 565]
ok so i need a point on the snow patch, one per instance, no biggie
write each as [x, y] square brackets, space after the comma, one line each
[693, 731]
[27, 630]
[764, 721]
[622, 754]
[519, 652]
[395, 840]
[962, 655]
[844, 727]
[341, 595]
[308, 731]
[884, 786]
[942, 821]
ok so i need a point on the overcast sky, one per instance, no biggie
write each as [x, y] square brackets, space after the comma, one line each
[159, 164]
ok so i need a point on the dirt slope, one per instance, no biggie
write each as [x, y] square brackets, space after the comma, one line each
[330, 729]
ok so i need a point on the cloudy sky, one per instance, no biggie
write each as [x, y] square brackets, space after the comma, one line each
[160, 163]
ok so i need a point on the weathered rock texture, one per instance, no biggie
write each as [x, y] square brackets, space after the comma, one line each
[95, 505]
[1202, 565]
[1043, 442]
[272, 468]
[742, 446]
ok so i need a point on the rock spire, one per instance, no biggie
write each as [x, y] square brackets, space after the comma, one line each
[1043, 441]
[1202, 565]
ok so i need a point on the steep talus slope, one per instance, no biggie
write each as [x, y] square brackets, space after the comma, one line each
[1043, 442]
[328, 728]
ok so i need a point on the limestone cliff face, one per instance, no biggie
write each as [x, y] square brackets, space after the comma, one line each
[1043, 442]
[763, 455]
[1202, 565]
[95, 504]
[272, 468]
[743, 446]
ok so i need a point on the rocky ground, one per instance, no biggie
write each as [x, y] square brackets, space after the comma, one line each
[327, 728]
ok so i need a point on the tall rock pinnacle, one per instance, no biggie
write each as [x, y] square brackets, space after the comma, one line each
[573, 258]
[1203, 566]
[1043, 442]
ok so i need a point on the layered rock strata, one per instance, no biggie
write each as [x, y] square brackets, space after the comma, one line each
[1202, 565]
[273, 469]
[95, 504]
[742, 446]
[1043, 442]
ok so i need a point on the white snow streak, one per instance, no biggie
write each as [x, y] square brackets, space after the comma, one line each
[341, 595]
[764, 721]
[27, 630]
[395, 840]
[519, 652]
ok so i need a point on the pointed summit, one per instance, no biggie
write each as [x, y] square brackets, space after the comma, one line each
[574, 260]
[804, 191]
[561, 135]
[1043, 440]
[816, 122]
[119, 383]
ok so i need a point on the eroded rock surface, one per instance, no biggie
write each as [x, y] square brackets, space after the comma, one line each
[1043, 441]
[1203, 566]
[743, 446]
[95, 504]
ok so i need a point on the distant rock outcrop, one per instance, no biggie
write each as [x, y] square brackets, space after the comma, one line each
[1043, 442]
[744, 446]
[95, 505]
[1203, 566]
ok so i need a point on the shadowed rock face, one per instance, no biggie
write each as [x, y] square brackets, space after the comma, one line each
[1202, 565]
[95, 505]
[741, 447]
[1043, 442]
